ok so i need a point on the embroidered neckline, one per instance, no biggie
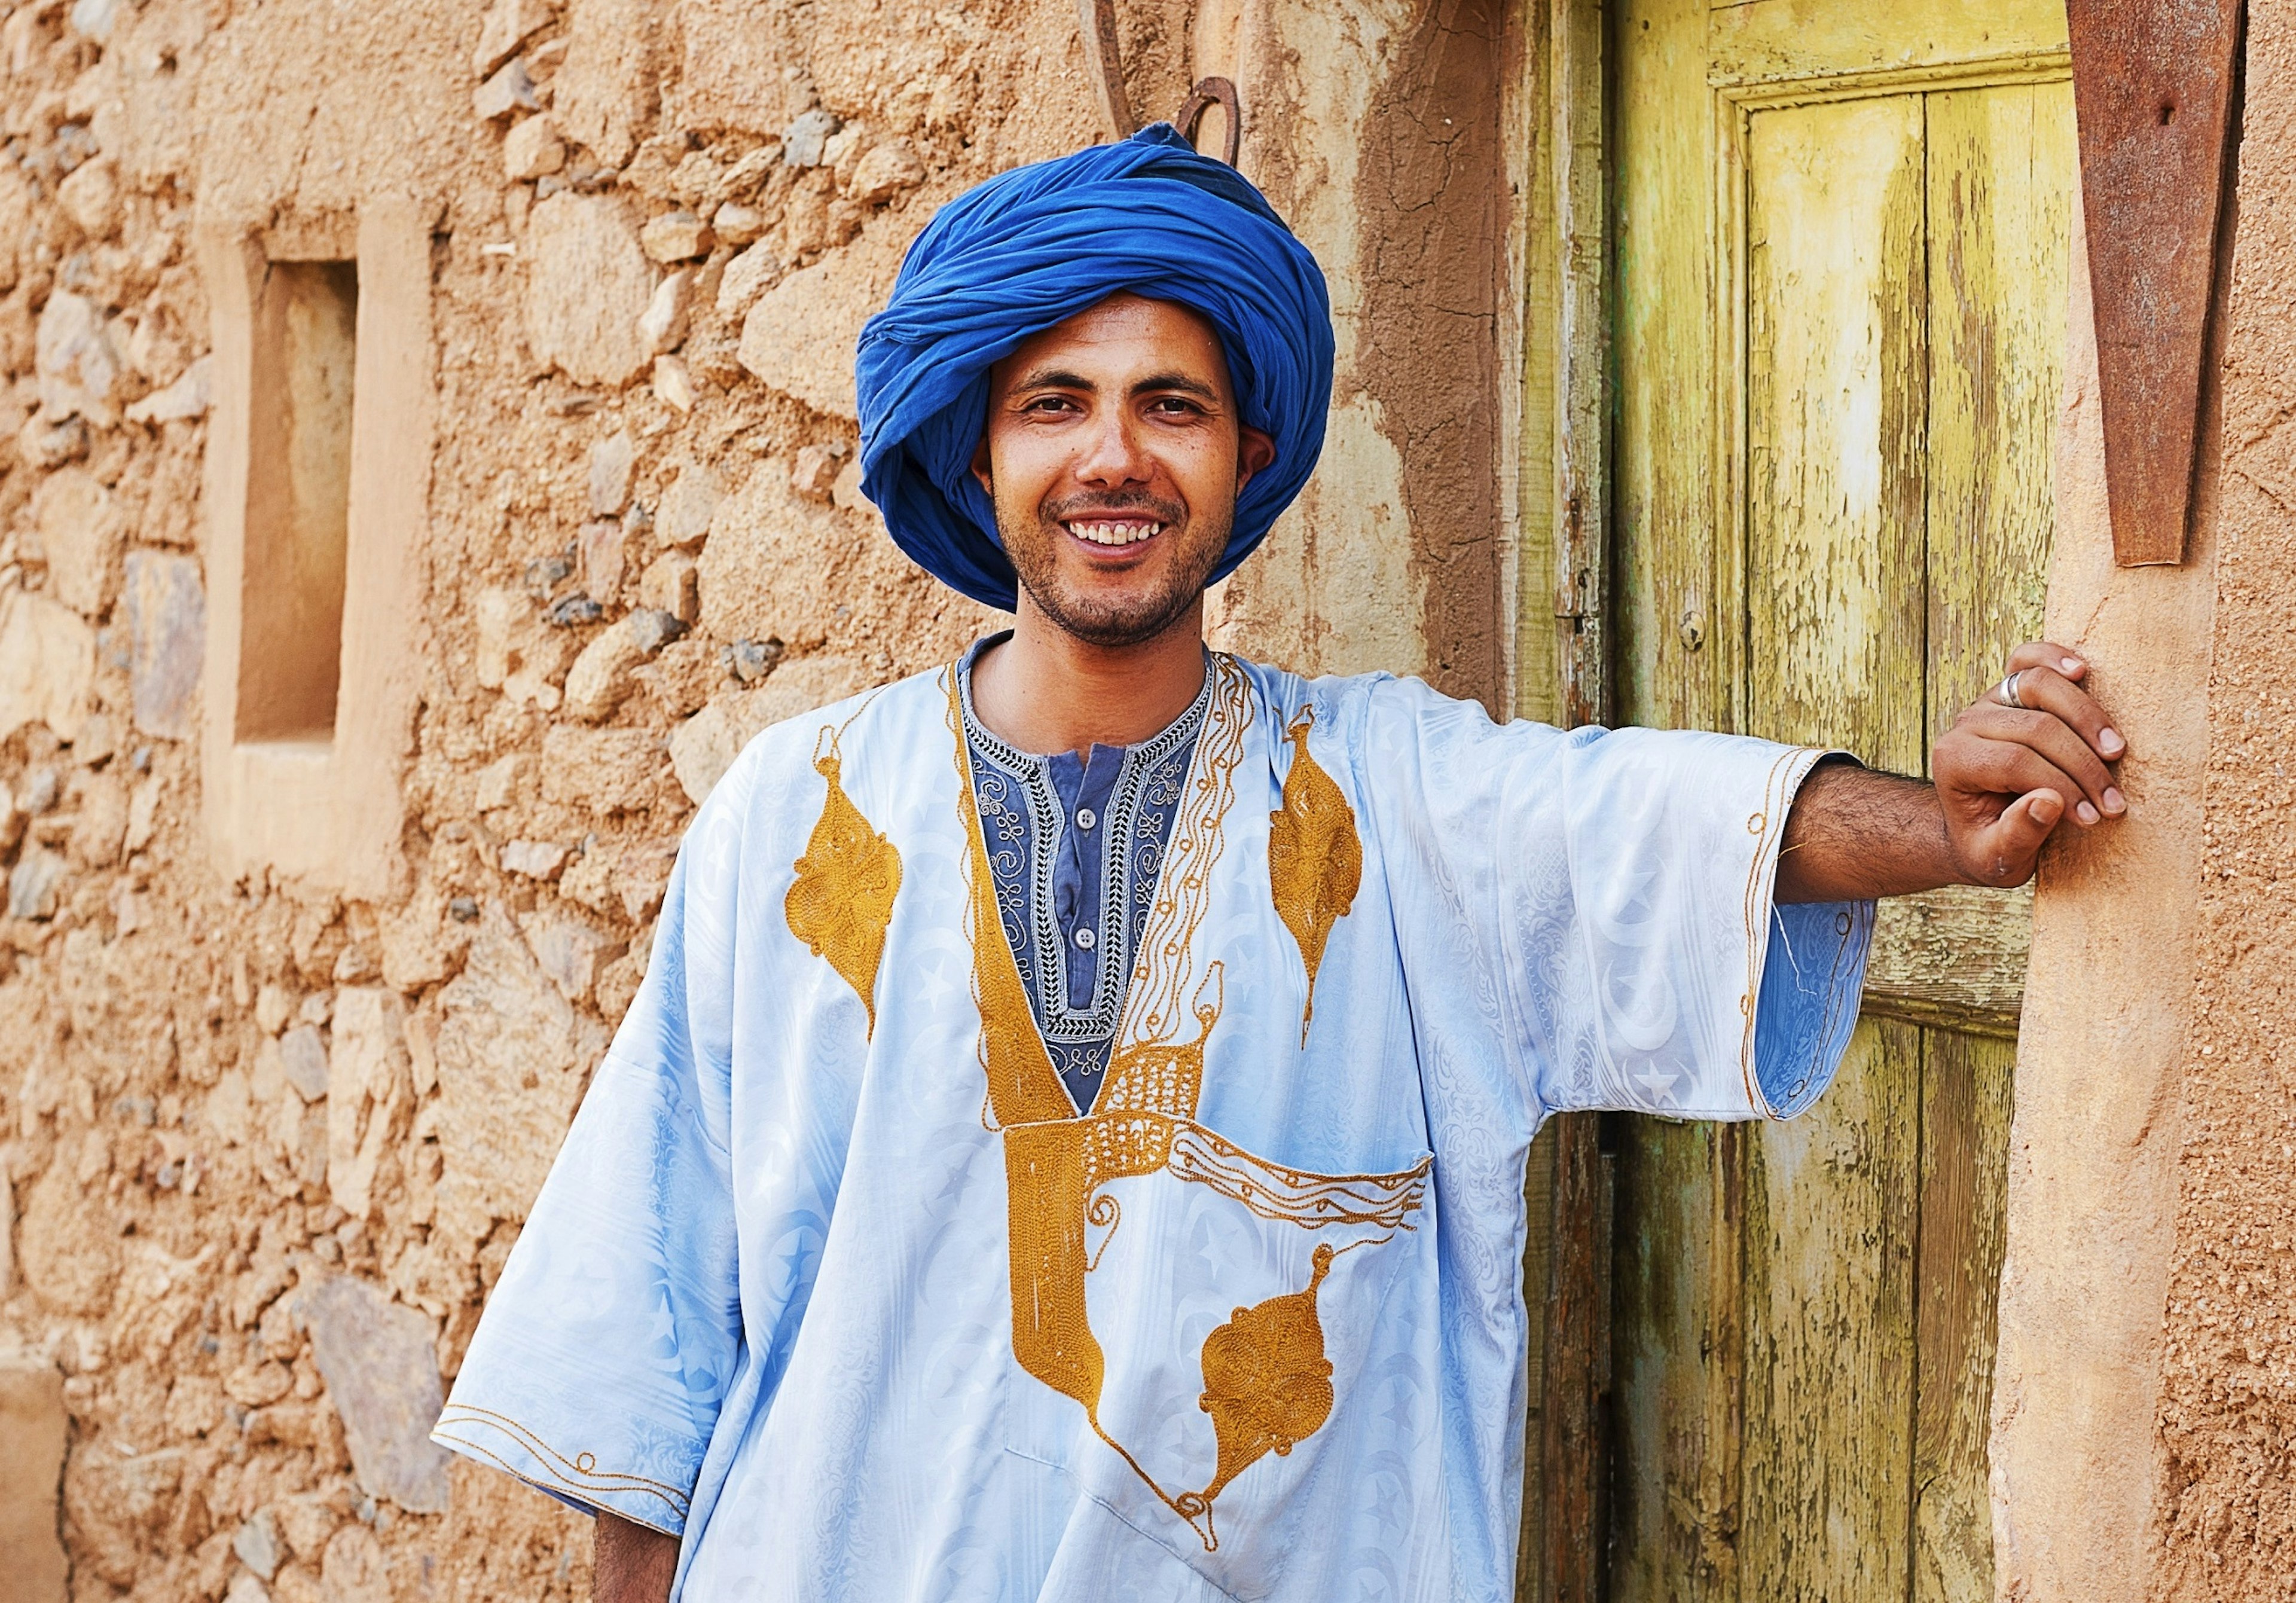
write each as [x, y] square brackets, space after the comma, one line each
[1046, 948]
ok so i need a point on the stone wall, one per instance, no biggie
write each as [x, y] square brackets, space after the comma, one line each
[297, 995]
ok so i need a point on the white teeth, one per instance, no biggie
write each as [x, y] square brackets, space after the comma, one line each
[1115, 534]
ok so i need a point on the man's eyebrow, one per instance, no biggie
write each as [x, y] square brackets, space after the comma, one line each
[1182, 382]
[1053, 378]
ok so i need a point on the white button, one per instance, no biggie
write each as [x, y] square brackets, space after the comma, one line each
[1085, 818]
[1084, 939]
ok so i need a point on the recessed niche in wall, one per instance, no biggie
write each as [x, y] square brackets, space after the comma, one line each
[314, 553]
[302, 378]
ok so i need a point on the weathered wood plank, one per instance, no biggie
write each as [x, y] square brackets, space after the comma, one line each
[1769, 41]
[1837, 385]
[1678, 599]
[1954, 958]
[1965, 1110]
[1830, 1223]
[2000, 205]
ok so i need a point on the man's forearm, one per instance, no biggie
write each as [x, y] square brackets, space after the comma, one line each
[631, 1563]
[1855, 834]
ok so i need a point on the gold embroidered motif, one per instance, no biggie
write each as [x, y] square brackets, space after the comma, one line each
[1261, 1375]
[1315, 858]
[841, 901]
[1267, 1386]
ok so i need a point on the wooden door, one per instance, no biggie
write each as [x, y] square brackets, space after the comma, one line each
[1840, 243]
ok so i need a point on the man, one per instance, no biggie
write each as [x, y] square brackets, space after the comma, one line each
[1069, 1141]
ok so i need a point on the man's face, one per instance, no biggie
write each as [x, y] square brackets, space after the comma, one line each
[1114, 457]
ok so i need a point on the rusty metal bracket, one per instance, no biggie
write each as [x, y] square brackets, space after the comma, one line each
[2153, 85]
[1103, 61]
[1209, 93]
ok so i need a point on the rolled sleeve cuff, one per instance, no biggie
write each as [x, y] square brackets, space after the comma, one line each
[1813, 976]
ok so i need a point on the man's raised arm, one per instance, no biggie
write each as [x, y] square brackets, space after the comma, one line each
[2034, 746]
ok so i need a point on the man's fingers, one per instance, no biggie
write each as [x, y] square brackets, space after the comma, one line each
[2049, 736]
[2042, 687]
[2042, 654]
[2007, 764]
[2006, 848]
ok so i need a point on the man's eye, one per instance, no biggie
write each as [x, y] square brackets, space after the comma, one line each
[1174, 406]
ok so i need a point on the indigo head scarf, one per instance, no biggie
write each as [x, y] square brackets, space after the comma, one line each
[1034, 247]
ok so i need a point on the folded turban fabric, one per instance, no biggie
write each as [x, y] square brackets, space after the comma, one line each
[1034, 247]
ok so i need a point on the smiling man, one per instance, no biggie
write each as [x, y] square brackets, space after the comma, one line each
[1070, 1144]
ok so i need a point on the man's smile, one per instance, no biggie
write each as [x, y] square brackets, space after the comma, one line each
[1113, 531]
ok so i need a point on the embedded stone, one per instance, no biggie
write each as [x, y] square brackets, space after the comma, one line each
[91, 197]
[186, 398]
[382, 1370]
[800, 336]
[676, 236]
[609, 474]
[46, 445]
[885, 171]
[599, 546]
[802, 145]
[570, 953]
[736, 224]
[303, 1058]
[508, 24]
[687, 506]
[510, 89]
[365, 1077]
[354, 1569]
[81, 532]
[668, 314]
[745, 278]
[531, 149]
[34, 882]
[815, 472]
[78, 365]
[504, 780]
[673, 383]
[669, 586]
[533, 859]
[512, 1055]
[167, 630]
[588, 284]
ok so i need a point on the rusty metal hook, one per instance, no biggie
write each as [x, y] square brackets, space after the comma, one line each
[1209, 93]
[1103, 58]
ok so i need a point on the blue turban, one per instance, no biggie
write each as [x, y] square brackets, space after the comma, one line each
[1034, 247]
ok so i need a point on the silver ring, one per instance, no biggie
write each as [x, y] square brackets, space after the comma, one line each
[2007, 691]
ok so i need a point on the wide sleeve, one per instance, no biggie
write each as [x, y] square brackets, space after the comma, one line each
[1621, 883]
[608, 1346]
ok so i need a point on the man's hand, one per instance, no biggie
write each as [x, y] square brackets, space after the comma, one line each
[2006, 777]
[631, 1563]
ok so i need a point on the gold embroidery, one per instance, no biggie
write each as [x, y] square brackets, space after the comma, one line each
[545, 1465]
[1315, 858]
[1262, 1370]
[1267, 1386]
[1023, 1087]
[842, 899]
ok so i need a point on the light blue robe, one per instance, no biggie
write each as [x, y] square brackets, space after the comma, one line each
[864, 1315]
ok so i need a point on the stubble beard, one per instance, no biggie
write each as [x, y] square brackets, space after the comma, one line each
[1200, 543]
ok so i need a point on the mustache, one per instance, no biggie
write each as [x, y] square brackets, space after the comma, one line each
[1084, 507]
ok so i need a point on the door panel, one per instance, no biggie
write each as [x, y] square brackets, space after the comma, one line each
[1840, 239]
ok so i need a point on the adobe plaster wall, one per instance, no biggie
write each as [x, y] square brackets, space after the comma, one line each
[276, 1065]
[2144, 1425]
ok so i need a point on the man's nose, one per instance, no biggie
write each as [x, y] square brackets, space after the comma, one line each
[1113, 454]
